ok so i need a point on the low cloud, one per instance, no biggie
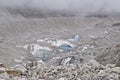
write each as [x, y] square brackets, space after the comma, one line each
[78, 7]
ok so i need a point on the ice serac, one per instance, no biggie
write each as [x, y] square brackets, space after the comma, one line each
[38, 51]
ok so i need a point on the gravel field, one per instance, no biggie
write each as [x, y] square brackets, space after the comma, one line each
[98, 44]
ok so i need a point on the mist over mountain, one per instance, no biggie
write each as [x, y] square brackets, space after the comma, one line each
[64, 7]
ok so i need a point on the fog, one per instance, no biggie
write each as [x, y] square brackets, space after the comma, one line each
[78, 7]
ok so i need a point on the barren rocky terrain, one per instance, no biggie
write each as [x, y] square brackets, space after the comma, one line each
[98, 43]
